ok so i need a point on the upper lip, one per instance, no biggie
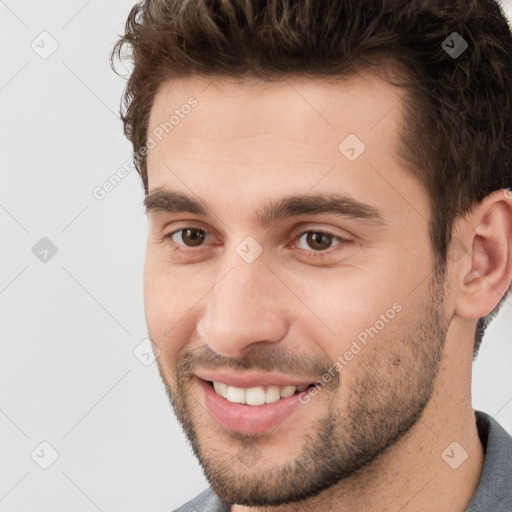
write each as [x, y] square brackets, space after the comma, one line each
[252, 379]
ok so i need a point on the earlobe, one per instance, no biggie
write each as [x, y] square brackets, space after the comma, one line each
[486, 271]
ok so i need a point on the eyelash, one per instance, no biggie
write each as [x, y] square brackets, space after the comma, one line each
[312, 254]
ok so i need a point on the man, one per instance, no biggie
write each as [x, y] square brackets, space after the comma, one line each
[328, 187]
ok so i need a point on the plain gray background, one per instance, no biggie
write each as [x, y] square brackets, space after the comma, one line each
[72, 320]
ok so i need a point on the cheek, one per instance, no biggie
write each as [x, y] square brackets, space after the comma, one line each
[341, 304]
[172, 298]
[163, 308]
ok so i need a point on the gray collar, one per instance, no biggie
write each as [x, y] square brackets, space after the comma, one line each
[494, 491]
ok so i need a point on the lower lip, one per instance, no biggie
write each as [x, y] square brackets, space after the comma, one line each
[248, 419]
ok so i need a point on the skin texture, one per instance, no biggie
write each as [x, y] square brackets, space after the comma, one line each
[372, 438]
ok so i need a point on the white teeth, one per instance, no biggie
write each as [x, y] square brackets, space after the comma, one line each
[236, 395]
[257, 395]
[287, 391]
[273, 394]
[221, 388]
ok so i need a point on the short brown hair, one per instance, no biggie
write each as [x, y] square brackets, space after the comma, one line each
[457, 134]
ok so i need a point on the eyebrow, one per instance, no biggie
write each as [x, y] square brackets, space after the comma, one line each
[162, 200]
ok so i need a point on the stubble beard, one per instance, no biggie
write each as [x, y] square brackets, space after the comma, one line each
[395, 382]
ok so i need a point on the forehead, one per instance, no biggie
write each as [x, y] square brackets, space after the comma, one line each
[248, 140]
[296, 119]
[294, 106]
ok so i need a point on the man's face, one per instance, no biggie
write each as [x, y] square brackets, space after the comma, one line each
[252, 291]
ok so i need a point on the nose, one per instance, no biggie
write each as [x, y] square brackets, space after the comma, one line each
[246, 307]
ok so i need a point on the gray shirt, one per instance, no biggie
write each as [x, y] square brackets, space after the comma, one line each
[494, 491]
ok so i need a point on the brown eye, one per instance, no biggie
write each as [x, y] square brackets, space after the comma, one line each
[191, 237]
[317, 240]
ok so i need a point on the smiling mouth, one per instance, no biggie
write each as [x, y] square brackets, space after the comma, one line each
[246, 409]
[257, 395]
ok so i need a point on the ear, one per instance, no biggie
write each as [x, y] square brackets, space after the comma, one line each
[483, 270]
